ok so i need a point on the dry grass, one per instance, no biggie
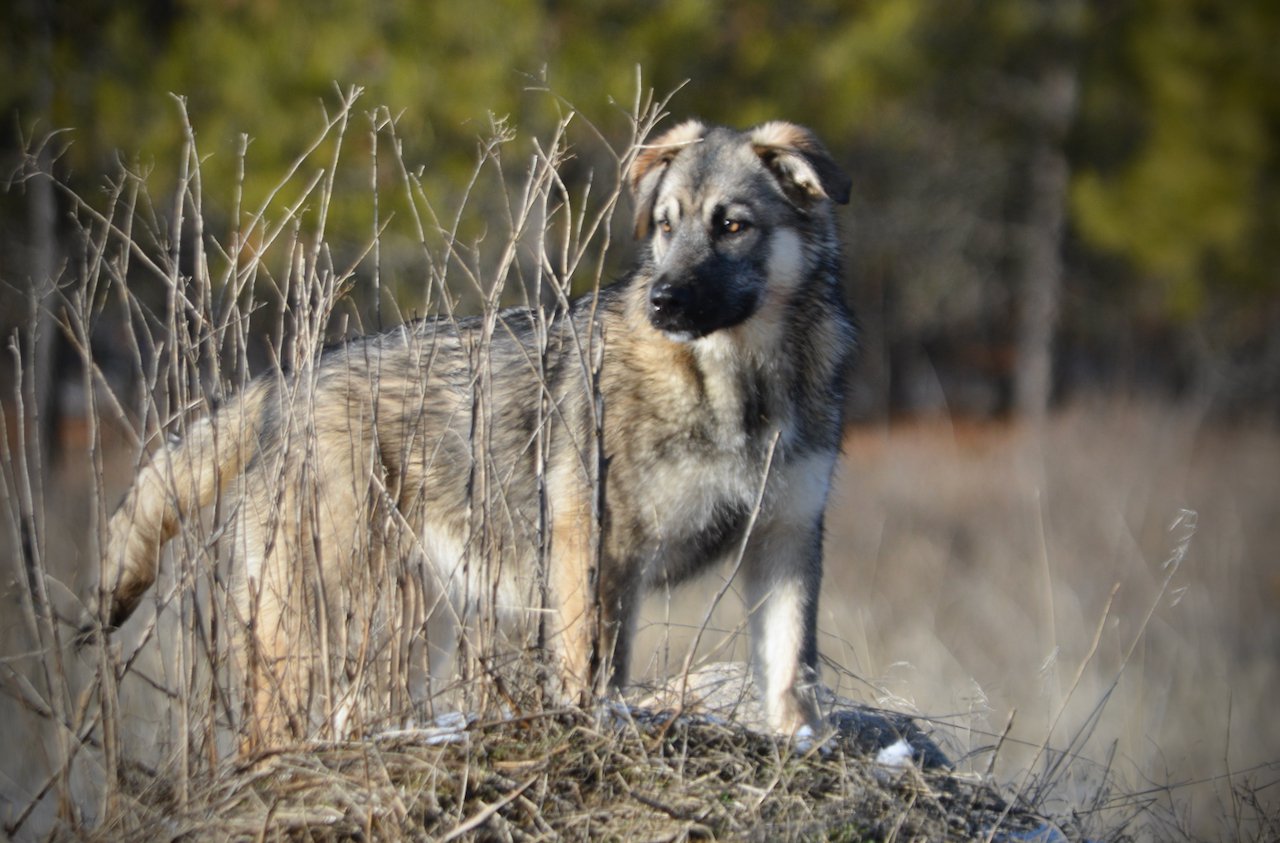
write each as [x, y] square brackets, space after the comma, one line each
[972, 575]
[1088, 610]
[1108, 582]
[574, 776]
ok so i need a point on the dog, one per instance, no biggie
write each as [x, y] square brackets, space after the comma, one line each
[687, 414]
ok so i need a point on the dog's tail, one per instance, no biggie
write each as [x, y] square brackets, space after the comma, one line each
[179, 479]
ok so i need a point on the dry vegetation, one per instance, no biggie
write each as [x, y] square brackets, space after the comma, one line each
[568, 774]
[1088, 609]
[1108, 582]
[1084, 615]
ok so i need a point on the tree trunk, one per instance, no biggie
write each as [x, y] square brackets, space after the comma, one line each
[1041, 252]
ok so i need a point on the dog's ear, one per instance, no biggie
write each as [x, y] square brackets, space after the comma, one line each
[801, 163]
[651, 160]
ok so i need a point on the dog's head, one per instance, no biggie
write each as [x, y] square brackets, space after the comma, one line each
[728, 215]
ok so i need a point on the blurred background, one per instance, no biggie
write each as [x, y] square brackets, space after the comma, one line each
[1063, 250]
[1052, 198]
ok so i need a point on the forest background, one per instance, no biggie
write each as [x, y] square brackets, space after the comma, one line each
[1057, 205]
[1091, 184]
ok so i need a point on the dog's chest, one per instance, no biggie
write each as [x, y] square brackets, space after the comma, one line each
[694, 500]
[691, 512]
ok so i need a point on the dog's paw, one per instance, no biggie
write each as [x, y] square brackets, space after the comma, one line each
[819, 738]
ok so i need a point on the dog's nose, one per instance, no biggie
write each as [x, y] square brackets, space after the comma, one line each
[668, 298]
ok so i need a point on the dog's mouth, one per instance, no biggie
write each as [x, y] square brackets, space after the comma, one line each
[684, 312]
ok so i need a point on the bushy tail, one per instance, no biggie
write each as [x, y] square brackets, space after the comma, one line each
[177, 480]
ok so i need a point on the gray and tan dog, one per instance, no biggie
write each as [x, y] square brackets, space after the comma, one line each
[622, 448]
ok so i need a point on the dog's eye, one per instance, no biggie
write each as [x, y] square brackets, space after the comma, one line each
[733, 226]
[664, 225]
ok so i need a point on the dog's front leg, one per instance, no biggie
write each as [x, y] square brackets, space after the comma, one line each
[594, 601]
[595, 605]
[573, 620]
[783, 570]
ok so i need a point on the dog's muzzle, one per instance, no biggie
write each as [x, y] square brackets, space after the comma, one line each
[685, 311]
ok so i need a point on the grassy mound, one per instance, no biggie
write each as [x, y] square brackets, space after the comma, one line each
[635, 775]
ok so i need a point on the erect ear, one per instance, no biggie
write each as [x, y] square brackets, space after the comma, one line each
[651, 160]
[800, 163]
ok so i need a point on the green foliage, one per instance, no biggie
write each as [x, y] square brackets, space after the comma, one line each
[935, 108]
[1189, 202]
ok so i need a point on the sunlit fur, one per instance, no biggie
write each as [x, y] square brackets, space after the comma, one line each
[727, 344]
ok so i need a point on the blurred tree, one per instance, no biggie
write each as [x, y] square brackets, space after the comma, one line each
[1180, 178]
[1050, 111]
[974, 247]
[972, 162]
[1203, 86]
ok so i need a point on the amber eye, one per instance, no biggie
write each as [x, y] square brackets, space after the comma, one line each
[732, 226]
[664, 225]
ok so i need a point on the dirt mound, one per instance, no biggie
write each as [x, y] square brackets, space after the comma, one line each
[621, 772]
